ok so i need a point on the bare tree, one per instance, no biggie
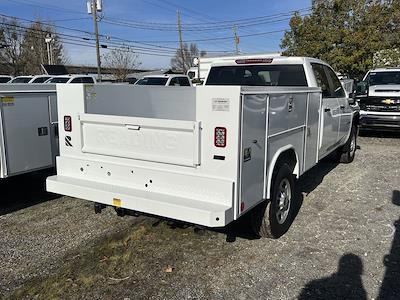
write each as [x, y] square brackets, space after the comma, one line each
[11, 39]
[121, 61]
[23, 49]
[189, 52]
[34, 48]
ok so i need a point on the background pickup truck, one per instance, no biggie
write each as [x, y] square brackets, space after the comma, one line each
[379, 98]
[209, 154]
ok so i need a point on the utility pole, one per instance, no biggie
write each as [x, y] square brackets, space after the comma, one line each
[236, 39]
[96, 32]
[180, 41]
[48, 41]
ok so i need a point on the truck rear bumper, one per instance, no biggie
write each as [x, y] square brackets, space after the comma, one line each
[173, 207]
[373, 120]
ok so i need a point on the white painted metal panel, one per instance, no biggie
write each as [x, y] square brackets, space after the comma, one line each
[174, 207]
[3, 161]
[252, 155]
[330, 122]
[313, 119]
[27, 133]
[286, 111]
[176, 103]
[156, 140]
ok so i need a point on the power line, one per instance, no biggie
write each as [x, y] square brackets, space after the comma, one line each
[40, 33]
[209, 25]
[186, 28]
[195, 17]
[78, 39]
[70, 41]
[47, 6]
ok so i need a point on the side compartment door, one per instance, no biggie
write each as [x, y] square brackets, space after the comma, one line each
[26, 125]
[313, 119]
[330, 111]
[252, 160]
[344, 107]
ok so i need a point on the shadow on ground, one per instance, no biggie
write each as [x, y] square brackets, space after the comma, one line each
[390, 288]
[24, 191]
[346, 283]
[306, 184]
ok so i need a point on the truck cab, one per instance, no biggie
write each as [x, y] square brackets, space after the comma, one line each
[379, 99]
[337, 112]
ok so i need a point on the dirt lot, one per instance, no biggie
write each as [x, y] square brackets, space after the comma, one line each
[345, 242]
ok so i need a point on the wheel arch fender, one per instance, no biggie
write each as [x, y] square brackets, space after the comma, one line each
[286, 151]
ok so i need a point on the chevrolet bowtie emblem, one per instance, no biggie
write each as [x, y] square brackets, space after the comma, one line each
[388, 101]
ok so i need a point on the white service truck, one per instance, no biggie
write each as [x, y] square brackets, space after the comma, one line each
[206, 155]
[28, 128]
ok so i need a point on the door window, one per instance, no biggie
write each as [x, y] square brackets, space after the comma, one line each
[183, 81]
[337, 88]
[322, 80]
[76, 80]
[87, 80]
[174, 82]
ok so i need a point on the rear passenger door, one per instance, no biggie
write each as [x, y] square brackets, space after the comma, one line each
[330, 111]
[344, 107]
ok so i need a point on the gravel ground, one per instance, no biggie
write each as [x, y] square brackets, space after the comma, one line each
[345, 242]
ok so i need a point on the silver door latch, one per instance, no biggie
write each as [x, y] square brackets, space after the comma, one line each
[290, 104]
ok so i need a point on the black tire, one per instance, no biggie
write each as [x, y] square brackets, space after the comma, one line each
[264, 217]
[348, 151]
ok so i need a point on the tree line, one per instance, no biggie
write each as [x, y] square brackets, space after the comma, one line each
[23, 47]
[352, 35]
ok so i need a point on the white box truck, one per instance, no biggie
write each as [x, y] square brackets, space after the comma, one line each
[210, 154]
[28, 128]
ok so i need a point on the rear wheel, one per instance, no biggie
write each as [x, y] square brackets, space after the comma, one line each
[273, 218]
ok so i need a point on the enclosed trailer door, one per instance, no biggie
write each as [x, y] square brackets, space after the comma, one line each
[252, 160]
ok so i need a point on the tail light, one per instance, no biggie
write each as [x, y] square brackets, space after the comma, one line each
[67, 123]
[220, 137]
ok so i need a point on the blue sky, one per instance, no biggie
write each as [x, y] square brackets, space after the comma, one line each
[72, 14]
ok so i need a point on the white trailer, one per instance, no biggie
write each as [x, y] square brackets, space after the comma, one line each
[28, 128]
[205, 155]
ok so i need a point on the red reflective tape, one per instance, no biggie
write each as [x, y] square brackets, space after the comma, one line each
[220, 137]
[67, 123]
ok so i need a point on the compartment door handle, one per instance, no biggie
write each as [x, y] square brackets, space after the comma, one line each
[132, 127]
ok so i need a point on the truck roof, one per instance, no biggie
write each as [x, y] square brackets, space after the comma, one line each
[165, 76]
[394, 69]
[274, 60]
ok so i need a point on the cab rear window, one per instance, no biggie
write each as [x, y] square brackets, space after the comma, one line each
[258, 75]
[152, 81]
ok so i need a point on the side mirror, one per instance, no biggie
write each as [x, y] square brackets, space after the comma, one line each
[362, 88]
[352, 98]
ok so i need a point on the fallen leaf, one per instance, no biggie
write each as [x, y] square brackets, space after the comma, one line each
[168, 269]
[105, 258]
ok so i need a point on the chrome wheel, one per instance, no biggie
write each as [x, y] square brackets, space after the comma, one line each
[284, 197]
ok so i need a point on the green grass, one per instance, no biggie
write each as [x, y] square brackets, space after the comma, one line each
[118, 263]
